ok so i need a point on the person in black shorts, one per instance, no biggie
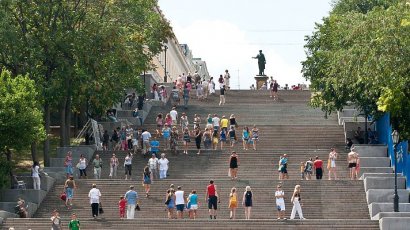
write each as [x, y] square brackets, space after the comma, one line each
[198, 139]
[212, 199]
[233, 165]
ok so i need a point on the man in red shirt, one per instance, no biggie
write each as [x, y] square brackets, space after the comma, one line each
[317, 165]
[212, 199]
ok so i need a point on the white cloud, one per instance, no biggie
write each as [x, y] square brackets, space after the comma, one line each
[224, 46]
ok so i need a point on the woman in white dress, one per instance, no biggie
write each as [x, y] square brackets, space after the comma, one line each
[332, 163]
[211, 86]
[113, 166]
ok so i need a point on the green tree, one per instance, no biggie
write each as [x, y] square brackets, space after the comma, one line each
[362, 58]
[360, 6]
[21, 120]
[80, 52]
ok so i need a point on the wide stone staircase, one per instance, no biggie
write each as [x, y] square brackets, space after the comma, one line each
[289, 126]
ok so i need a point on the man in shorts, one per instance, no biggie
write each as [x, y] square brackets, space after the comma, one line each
[180, 202]
[174, 115]
[352, 160]
[280, 202]
[212, 199]
[145, 141]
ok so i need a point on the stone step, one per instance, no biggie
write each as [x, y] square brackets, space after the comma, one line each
[386, 195]
[288, 126]
[374, 162]
[364, 170]
[146, 223]
[383, 183]
[371, 150]
[377, 207]
[313, 199]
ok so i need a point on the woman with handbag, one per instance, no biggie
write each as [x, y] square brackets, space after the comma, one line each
[69, 187]
[170, 203]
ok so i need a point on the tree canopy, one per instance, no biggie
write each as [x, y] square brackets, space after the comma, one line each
[21, 120]
[360, 54]
[81, 54]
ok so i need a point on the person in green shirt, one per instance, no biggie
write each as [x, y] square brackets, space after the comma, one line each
[97, 163]
[74, 223]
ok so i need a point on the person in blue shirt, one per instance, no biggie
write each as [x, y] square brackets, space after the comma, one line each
[132, 200]
[245, 137]
[154, 146]
[193, 204]
[284, 166]
[166, 134]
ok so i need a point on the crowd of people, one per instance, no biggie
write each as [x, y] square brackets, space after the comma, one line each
[215, 133]
[177, 202]
[185, 83]
[177, 132]
[315, 167]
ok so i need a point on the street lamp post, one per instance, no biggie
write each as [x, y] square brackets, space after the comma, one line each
[395, 137]
[165, 50]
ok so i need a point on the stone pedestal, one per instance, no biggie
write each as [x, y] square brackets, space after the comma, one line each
[260, 79]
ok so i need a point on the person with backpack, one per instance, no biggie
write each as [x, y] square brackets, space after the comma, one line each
[175, 95]
[308, 169]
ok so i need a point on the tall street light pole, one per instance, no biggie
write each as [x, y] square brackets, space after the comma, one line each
[395, 137]
[165, 77]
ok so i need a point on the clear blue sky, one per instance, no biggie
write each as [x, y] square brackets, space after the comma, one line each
[227, 33]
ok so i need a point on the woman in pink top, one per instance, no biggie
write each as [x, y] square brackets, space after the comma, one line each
[168, 120]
